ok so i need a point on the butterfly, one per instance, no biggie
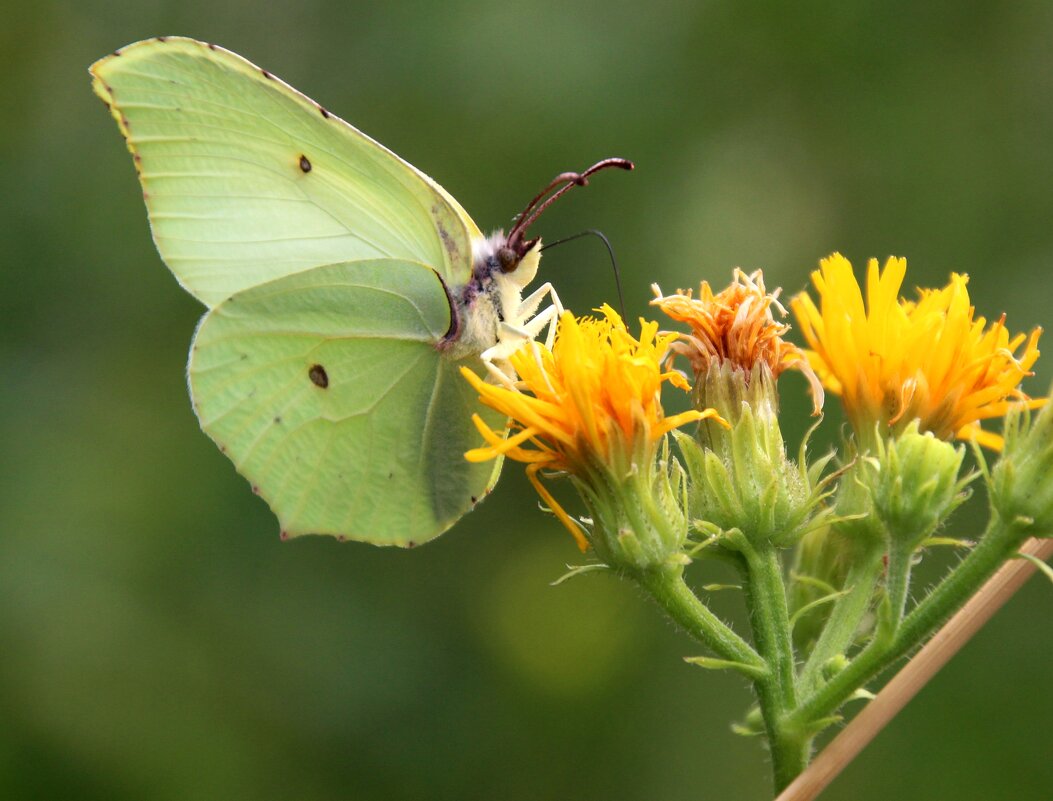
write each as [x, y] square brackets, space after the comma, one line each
[344, 290]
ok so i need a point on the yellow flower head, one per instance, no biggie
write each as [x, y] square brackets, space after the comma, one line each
[593, 398]
[736, 325]
[893, 360]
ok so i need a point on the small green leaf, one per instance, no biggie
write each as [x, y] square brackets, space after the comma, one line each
[711, 663]
[808, 607]
[573, 571]
[1047, 571]
[933, 542]
[812, 581]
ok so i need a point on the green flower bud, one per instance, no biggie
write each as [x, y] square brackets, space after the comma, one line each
[916, 485]
[637, 508]
[1022, 481]
[740, 476]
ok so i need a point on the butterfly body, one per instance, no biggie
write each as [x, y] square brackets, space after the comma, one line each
[344, 290]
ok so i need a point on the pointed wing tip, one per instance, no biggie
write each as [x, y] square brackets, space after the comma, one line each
[102, 64]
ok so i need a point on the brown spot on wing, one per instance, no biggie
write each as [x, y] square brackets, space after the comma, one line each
[319, 377]
[305, 163]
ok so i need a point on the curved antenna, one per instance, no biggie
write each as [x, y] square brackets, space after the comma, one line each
[610, 252]
[558, 187]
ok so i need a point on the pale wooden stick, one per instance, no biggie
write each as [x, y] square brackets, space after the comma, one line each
[915, 674]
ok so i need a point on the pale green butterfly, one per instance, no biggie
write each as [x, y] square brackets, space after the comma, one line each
[344, 289]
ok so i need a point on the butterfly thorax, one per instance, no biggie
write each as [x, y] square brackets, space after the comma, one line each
[488, 310]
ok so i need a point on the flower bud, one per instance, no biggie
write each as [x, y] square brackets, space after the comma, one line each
[741, 477]
[916, 485]
[636, 507]
[1022, 481]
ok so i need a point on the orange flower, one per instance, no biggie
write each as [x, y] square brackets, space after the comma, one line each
[893, 360]
[594, 398]
[736, 325]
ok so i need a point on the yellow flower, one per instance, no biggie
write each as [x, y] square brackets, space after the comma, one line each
[594, 398]
[893, 360]
[736, 325]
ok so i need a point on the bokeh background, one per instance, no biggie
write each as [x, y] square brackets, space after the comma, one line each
[157, 641]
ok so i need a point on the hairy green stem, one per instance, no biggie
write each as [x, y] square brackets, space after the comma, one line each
[668, 588]
[997, 545]
[840, 629]
[897, 582]
[777, 689]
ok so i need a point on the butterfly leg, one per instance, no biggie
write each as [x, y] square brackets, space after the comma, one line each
[499, 374]
[549, 315]
[530, 304]
[525, 326]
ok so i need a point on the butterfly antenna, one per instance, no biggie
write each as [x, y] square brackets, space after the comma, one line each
[556, 188]
[610, 251]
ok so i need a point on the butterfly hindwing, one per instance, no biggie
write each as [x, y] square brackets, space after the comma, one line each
[327, 391]
[246, 180]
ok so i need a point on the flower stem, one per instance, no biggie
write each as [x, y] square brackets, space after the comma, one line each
[777, 689]
[997, 545]
[840, 629]
[667, 586]
[897, 582]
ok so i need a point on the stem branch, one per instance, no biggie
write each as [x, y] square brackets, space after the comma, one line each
[997, 545]
[915, 674]
[668, 588]
[840, 629]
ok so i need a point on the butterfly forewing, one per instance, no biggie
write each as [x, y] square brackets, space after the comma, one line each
[246, 180]
[326, 390]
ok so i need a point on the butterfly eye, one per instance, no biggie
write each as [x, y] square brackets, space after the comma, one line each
[508, 259]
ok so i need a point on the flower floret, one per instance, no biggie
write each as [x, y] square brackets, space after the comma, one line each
[894, 360]
[593, 399]
[736, 326]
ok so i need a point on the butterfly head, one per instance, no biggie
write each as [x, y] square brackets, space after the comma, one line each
[491, 317]
[517, 252]
[495, 260]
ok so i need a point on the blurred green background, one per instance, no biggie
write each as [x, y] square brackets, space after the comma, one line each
[158, 641]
